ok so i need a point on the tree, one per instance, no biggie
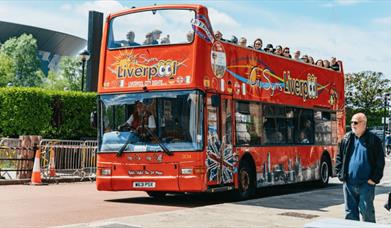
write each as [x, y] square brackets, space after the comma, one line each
[23, 51]
[365, 93]
[70, 70]
[55, 81]
[68, 75]
[6, 70]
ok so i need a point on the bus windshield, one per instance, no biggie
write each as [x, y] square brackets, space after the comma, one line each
[143, 120]
[155, 27]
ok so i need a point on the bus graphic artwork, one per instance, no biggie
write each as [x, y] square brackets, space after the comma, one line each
[128, 65]
[216, 116]
[218, 60]
[216, 171]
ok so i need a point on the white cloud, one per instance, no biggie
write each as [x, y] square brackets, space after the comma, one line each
[328, 5]
[55, 20]
[107, 6]
[359, 48]
[353, 45]
[382, 20]
[222, 20]
[66, 7]
[71, 18]
[348, 2]
[336, 3]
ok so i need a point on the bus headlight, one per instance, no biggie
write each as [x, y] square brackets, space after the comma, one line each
[197, 170]
[105, 172]
[186, 171]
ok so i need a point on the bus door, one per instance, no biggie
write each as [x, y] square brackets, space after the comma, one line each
[219, 145]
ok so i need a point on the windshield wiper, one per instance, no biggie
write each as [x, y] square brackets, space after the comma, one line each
[155, 138]
[122, 149]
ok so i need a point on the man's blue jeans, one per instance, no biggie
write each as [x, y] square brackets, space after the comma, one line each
[359, 199]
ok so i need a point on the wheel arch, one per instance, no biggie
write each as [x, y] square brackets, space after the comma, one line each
[250, 160]
[245, 189]
[326, 155]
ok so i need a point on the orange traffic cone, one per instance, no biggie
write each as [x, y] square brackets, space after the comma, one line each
[36, 175]
[52, 167]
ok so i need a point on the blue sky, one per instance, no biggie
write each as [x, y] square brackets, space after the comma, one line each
[356, 31]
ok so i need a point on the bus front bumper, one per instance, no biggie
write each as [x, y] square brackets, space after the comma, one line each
[151, 182]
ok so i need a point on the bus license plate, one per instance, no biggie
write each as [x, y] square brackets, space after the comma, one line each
[149, 184]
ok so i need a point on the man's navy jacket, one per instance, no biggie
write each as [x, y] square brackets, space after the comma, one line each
[374, 151]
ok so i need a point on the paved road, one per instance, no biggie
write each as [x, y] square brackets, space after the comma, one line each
[268, 210]
[81, 204]
[67, 203]
[289, 206]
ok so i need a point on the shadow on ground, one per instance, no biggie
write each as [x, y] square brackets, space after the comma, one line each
[262, 198]
[190, 200]
[178, 200]
[303, 197]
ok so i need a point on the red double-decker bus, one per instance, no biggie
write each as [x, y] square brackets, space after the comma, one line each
[213, 116]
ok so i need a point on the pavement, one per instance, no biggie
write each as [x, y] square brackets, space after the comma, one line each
[310, 208]
[63, 179]
[321, 208]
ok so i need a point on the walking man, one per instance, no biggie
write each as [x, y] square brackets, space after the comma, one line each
[360, 164]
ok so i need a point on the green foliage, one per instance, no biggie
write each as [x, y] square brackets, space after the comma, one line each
[52, 114]
[20, 65]
[22, 51]
[6, 70]
[365, 93]
[70, 70]
[24, 111]
[75, 109]
[68, 76]
[55, 81]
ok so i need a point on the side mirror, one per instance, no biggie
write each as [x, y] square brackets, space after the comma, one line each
[93, 119]
[215, 101]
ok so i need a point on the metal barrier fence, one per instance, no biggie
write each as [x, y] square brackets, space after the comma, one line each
[16, 161]
[71, 158]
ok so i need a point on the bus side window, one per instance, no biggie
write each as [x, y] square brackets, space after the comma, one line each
[304, 126]
[322, 127]
[274, 124]
[248, 118]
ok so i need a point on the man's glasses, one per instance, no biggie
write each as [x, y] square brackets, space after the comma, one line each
[355, 122]
[257, 43]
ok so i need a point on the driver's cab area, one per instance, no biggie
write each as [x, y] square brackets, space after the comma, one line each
[139, 118]
[144, 122]
[143, 115]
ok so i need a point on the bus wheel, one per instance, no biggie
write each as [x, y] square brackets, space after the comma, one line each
[324, 171]
[246, 181]
[157, 195]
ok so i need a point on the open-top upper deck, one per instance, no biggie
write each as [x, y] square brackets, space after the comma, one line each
[193, 59]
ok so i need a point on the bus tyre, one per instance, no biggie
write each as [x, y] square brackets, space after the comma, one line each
[324, 171]
[246, 177]
[156, 195]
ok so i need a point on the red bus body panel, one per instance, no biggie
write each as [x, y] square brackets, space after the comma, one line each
[248, 75]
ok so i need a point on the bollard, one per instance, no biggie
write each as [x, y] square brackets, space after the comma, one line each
[36, 175]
